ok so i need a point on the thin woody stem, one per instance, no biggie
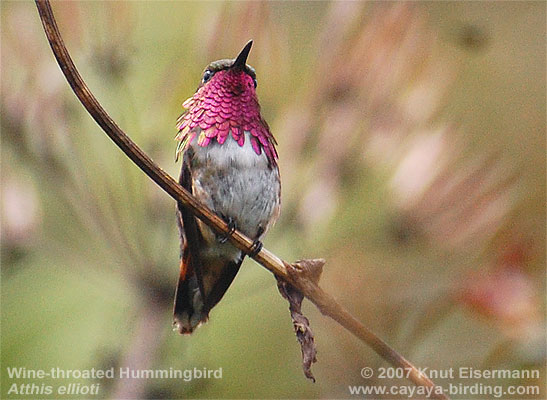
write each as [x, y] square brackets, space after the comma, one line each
[324, 302]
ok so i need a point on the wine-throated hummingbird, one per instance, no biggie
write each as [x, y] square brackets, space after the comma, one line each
[229, 162]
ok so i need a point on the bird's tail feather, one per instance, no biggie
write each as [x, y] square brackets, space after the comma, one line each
[188, 308]
[191, 309]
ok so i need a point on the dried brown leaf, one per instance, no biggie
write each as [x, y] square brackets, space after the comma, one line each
[309, 270]
[301, 326]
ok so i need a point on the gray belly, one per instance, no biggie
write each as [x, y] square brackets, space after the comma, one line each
[237, 183]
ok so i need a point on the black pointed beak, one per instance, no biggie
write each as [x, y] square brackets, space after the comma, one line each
[241, 60]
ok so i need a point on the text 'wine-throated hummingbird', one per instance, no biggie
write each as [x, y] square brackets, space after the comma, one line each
[229, 162]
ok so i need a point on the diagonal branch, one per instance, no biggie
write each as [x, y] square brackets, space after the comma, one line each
[294, 274]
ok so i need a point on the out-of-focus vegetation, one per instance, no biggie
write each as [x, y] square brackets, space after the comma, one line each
[412, 152]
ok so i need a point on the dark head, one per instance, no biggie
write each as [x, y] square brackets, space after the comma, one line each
[225, 105]
[236, 69]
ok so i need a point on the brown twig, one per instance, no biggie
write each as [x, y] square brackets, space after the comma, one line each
[296, 276]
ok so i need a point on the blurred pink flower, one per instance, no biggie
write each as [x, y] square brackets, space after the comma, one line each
[21, 214]
[507, 294]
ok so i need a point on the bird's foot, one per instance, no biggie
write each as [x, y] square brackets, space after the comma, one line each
[223, 238]
[255, 248]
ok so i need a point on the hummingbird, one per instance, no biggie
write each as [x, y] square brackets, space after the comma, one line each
[229, 163]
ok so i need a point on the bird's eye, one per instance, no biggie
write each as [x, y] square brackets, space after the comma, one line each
[207, 75]
[255, 82]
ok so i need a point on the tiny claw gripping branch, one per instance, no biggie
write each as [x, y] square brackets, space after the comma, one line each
[255, 248]
[223, 238]
[282, 270]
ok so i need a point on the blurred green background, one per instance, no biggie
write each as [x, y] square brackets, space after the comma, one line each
[412, 153]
